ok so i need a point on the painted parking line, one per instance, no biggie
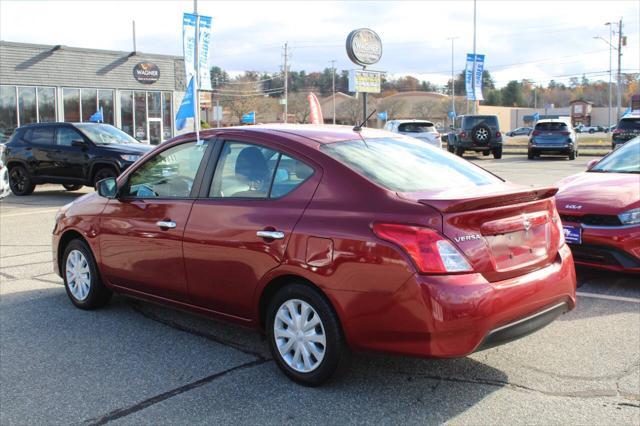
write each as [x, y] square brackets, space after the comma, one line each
[608, 297]
[28, 212]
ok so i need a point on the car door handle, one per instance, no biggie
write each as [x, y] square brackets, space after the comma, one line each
[166, 224]
[273, 235]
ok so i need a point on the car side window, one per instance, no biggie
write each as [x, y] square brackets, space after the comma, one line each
[290, 174]
[66, 135]
[168, 174]
[243, 171]
[40, 135]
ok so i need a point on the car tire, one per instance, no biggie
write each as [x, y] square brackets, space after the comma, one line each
[572, 155]
[70, 187]
[103, 173]
[530, 155]
[19, 181]
[81, 277]
[450, 148]
[459, 152]
[316, 363]
[485, 153]
[591, 131]
[497, 153]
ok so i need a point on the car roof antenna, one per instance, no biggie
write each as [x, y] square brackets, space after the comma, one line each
[359, 126]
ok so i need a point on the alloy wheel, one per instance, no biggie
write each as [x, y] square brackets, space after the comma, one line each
[78, 275]
[18, 179]
[299, 335]
[482, 134]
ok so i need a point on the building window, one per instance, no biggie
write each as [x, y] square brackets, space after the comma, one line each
[140, 107]
[27, 108]
[126, 112]
[155, 106]
[105, 101]
[167, 115]
[46, 104]
[89, 103]
[71, 102]
[8, 112]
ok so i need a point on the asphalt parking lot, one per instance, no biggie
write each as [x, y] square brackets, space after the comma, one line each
[138, 363]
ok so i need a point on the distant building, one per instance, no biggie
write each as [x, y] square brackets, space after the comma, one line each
[581, 112]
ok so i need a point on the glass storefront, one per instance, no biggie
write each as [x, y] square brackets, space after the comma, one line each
[145, 115]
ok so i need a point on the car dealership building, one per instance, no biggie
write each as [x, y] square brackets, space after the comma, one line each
[137, 92]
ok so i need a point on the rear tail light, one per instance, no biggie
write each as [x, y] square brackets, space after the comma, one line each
[430, 251]
[617, 131]
[463, 135]
[498, 135]
[535, 133]
[565, 133]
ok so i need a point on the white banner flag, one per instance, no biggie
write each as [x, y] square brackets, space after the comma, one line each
[189, 44]
[203, 49]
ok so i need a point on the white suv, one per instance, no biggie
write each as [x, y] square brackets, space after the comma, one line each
[420, 129]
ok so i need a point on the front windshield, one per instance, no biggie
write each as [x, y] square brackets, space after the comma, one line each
[104, 134]
[404, 164]
[623, 160]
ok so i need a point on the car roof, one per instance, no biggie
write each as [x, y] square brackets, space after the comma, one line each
[319, 133]
[412, 120]
[60, 123]
[552, 120]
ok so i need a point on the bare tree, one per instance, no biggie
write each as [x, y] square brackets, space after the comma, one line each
[395, 107]
[299, 106]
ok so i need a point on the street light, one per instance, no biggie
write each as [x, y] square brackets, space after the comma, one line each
[609, 24]
[453, 81]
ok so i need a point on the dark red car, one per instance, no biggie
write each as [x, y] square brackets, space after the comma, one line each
[600, 211]
[326, 238]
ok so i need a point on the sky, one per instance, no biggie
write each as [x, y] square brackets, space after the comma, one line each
[538, 40]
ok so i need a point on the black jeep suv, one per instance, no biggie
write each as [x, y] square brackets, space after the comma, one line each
[480, 133]
[71, 154]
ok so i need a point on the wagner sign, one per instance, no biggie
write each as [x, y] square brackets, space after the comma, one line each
[146, 73]
[364, 47]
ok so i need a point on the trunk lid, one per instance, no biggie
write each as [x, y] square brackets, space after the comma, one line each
[504, 231]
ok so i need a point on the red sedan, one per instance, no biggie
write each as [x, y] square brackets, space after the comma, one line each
[600, 211]
[327, 238]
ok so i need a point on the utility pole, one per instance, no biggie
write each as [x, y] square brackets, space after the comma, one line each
[619, 80]
[333, 84]
[535, 98]
[453, 81]
[610, 25]
[473, 75]
[286, 83]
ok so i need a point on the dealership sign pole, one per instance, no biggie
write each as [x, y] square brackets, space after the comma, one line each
[364, 48]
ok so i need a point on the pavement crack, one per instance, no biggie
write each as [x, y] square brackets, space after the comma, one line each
[176, 326]
[590, 393]
[123, 412]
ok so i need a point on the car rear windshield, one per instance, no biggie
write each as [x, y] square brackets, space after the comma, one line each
[551, 127]
[629, 124]
[623, 160]
[489, 120]
[104, 134]
[416, 127]
[406, 165]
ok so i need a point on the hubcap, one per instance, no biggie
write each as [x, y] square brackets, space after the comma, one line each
[299, 335]
[78, 275]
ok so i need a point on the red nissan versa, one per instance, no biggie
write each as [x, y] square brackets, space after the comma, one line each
[600, 211]
[326, 238]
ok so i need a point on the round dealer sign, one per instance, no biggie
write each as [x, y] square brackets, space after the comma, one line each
[146, 73]
[364, 47]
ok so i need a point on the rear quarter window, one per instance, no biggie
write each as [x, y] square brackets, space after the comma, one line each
[39, 135]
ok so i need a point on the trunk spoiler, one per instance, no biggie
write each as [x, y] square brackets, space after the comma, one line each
[497, 199]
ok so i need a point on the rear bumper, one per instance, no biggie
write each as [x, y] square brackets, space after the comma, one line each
[615, 248]
[455, 315]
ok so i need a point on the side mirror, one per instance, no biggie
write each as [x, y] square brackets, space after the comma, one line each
[78, 142]
[592, 163]
[107, 188]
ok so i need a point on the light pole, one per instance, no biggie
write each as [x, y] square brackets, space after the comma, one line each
[609, 24]
[473, 75]
[333, 85]
[453, 81]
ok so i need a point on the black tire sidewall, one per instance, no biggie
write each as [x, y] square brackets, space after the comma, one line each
[99, 295]
[107, 171]
[29, 186]
[336, 351]
[71, 187]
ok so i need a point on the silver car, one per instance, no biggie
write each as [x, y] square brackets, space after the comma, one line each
[419, 129]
